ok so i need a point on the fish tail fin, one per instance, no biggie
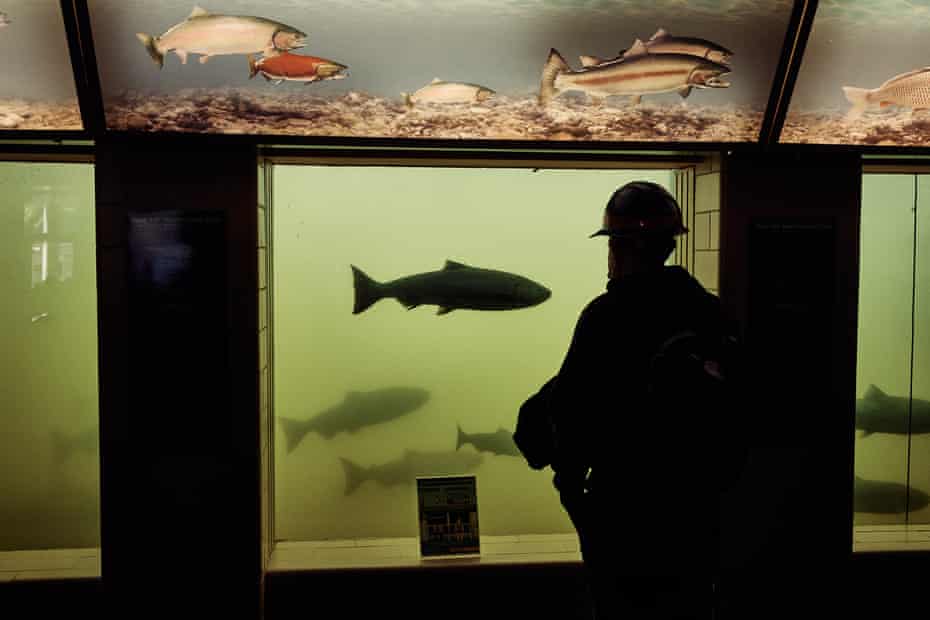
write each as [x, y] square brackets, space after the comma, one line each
[355, 475]
[152, 48]
[859, 97]
[462, 438]
[367, 291]
[555, 65]
[294, 431]
[61, 448]
[253, 67]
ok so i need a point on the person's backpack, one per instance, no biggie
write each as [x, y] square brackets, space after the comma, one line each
[699, 379]
[535, 432]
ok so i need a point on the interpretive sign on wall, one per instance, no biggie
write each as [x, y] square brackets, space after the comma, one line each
[448, 516]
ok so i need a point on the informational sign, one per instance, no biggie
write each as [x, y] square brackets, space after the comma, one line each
[448, 516]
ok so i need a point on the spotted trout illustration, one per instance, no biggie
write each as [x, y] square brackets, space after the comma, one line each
[440, 91]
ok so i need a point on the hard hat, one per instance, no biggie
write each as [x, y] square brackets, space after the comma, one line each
[641, 207]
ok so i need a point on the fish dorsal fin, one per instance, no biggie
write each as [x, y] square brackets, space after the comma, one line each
[661, 33]
[198, 12]
[451, 264]
[903, 75]
[590, 61]
[435, 81]
[873, 393]
[637, 49]
[444, 310]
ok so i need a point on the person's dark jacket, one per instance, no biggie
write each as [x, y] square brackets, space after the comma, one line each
[646, 466]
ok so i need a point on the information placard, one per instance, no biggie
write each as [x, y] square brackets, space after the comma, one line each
[448, 516]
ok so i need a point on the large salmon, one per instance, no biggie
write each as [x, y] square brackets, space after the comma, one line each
[209, 35]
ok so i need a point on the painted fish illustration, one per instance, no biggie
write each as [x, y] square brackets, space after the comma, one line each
[412, 464]
[456, 286]
[439, 91]
[499, 442]
[878, 412]
[880, 497]
[4, 20]
[296, 68]
[358, 410]
[663, 42]
[636, 75]
[210, 34]
[911, 90]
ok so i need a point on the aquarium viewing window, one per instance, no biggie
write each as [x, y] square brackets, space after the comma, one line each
[892, 477]
[37, 89]
[863, 79]
[49, 477]
[614, 71]
[368, 394]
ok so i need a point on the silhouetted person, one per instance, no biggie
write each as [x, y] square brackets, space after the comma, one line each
[636, 472]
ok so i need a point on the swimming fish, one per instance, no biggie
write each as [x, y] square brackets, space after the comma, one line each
[412, 464]
[881, 497]
[439, 91]
[879, 412]
[456, 286]
[911, 89]
[296, 68]
[357, 410]
[662, 42]
[209, 34]
[499, 442]
[636, 75]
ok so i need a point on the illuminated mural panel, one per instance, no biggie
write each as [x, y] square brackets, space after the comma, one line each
[612, 70]
[36, 82]
[865, 78]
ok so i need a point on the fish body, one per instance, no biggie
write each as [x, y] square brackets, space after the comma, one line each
[642, 74]
[296, 68]
[412, 464]
[662, 42]
[439, 91]
[880, 497]
[456, 286]
[357, 410]
[209, 35]
[878, 412]
[64, 446]
[911, 90]
[498, 442]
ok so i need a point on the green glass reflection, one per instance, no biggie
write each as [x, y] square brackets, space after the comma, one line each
[49, 481]
[435, 375]
[884, 347]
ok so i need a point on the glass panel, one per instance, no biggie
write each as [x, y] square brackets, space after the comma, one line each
[49, 480]
[883, 377]
[920, 413]
[452, 70]
[443, 384]
[36, 83]
[847, 92]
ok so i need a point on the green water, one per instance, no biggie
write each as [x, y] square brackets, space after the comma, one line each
[478, 366]
[49, 481]
[894, 329]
